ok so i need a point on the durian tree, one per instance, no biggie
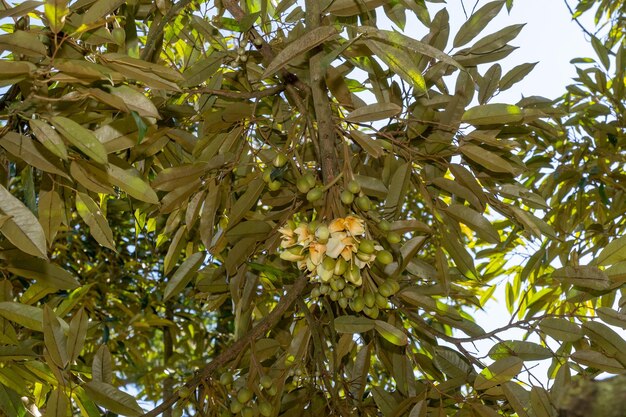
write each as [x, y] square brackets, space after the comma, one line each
[280, 208]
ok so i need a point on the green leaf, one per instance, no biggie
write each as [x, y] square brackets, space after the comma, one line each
[32, 153]
[111, 398]
[55, 11]
[129, 180]
[399, 62]
[477, 22]
[353, 324]
[298, 47]
[48, 138]
[526, 351]
[58, 405]
[77, 334]
[612, 317]
[610, 342]
[183, 275]
[488, 159]
[391, 333]
[22, 229]
[613, 253]
[24, 315]
[81, 138]
[92, 215]
[497, 40]
[368, 144]
[500, 371]
[352, 7]
[373, 112]
[515, 75]
[54, 339]
[46, 273]
[23, 43]
[409, 44]
[598, 360]
[561, 329]
[583, 276]
[475, 221]
[493, 114]
[102, 365]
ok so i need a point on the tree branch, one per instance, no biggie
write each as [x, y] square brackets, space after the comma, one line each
[326, 136]
[239, 346]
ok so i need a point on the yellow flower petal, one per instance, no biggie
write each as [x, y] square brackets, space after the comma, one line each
[354, 225]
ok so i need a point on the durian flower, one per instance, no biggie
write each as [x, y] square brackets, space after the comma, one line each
[287, 237]
[341, 244]
[354, 225]
[316, 252]
[304, 234]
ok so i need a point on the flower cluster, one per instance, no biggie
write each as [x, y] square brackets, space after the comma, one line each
[329, 250]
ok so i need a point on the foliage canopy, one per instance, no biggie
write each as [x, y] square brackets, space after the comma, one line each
[265, 207]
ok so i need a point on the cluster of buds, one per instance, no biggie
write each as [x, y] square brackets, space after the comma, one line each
[327, 251]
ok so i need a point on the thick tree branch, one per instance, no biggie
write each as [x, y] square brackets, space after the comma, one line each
[239, 346]
[326, 135]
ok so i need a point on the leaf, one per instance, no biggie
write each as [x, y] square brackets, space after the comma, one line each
[102, 365]
[129, 180]
[488, 84]
[373, 112]
[77, 334]
[298, 47]
[24, 43]
[81, 138]
[491, 114]
[136, 101]
[22, 229]
[612, 317]
[517, 397]
[368, 144]
[451, 363]
[526, 351]
[92, 215]
[183, 275]
[497, 40]
[352, 7]
[598, 360]
[411, 45]
[46, 273]
[398, 188]
[111, 398]
[613, 253]
[50, 212]
[13, 71]
[515, 75]
[477, 22]
[488, 159]
[24, 315]
[481, 410]
[55, 11]
[561, 329]
[246, 201]
[58, 405]
[500, 371]
[475, 221]
[353, 324]
[583, 276]
[54, 339]
[91, 176]
[391, 333]
[399, 62]
[610, 342]
[541, 403]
